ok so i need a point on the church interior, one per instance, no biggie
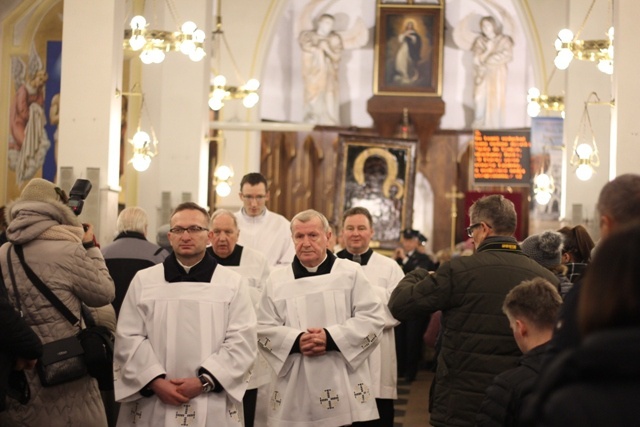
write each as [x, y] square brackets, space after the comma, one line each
[398, 105]
[366, 101]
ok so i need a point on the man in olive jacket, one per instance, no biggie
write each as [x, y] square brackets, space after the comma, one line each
[476, 342]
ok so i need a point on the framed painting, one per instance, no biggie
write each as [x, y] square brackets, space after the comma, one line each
[377, 174]
[408, 50]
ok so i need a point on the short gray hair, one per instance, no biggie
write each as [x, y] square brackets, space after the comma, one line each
[496, 211]
[132, 219]
[220, 212]
[308, 215]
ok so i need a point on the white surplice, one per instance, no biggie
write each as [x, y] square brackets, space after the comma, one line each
[333, 389]
[384, 274]
[175, 329]
[269, 234]
[254, 270]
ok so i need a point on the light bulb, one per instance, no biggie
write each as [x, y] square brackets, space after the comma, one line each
[563, 59]
[188, 27]
[140, 139]
[251, 100]
[565, 35]
[197, 54]
[533, 93]
[137, 42]
[223, 189]
[533, 109]
[219, 80]
[557, 44]
[543, 197]
[219, 94]
[610, 33]
[198, 36]
[584, 151]
[542, 181]
[215, 103]
[252, 85]
[138, 22]
[141, 162]
[223, 172]
[605, 66]
[187, 47]
[584, 172]
[146, 57]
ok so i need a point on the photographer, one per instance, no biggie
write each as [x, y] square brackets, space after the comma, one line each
[65, 257]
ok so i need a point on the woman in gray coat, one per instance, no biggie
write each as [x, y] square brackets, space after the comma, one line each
[66, 259]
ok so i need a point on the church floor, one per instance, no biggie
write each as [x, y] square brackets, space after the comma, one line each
[411, 408]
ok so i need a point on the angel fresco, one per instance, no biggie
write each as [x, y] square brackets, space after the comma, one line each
[322, 49]
[28, 140]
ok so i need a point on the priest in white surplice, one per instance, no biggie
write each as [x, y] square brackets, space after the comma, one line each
[186, 336]
[253, 268]
[384, 274]
[265, 231]
[318, 322]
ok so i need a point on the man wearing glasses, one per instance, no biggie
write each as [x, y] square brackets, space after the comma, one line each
[476, 341]
[186, 335]
[263, 230]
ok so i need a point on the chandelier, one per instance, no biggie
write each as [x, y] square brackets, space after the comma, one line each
[153, 44]
[220, 90]
[584, 153]
[569, 46]
[145, 147]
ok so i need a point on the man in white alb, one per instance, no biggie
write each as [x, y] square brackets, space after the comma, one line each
[263, 230]
[253, 268]
[384, 274]
[186, 336]
[318, 323]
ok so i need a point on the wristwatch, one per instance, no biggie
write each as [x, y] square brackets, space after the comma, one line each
[206, 385]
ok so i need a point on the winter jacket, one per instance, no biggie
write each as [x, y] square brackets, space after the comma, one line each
[416, 260]
[596, 384]
[502, 404]
[129, 253]
[476, 343]
[51, 238]
[17, 340]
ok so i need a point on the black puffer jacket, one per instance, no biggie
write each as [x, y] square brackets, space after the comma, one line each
[597, 384]
[477, 343]
[502, 404]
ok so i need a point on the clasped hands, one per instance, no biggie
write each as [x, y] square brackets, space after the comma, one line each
[177, 391]
[313, 342]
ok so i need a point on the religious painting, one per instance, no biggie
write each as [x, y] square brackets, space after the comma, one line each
[408, 51]
[32, 108]
[377, 174]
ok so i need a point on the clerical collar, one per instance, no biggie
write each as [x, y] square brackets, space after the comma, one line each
[300, 271]
[500, 243]
[132, 234]
[364, 258]
[233, 260]
[174, 271]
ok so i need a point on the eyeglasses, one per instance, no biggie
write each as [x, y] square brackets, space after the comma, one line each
[191, 229]
[473, 226]
[252, 198]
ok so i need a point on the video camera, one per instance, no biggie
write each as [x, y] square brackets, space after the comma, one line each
[78, 193]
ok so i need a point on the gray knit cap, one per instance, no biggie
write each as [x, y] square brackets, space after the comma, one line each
[545, 248]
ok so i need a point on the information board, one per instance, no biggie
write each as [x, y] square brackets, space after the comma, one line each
[502, 157]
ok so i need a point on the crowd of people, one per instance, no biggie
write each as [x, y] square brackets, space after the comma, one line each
[247, 318]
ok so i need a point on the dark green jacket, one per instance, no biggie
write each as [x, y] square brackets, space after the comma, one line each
[476, 342]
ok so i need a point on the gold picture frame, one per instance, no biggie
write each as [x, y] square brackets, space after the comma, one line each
[408, 50]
